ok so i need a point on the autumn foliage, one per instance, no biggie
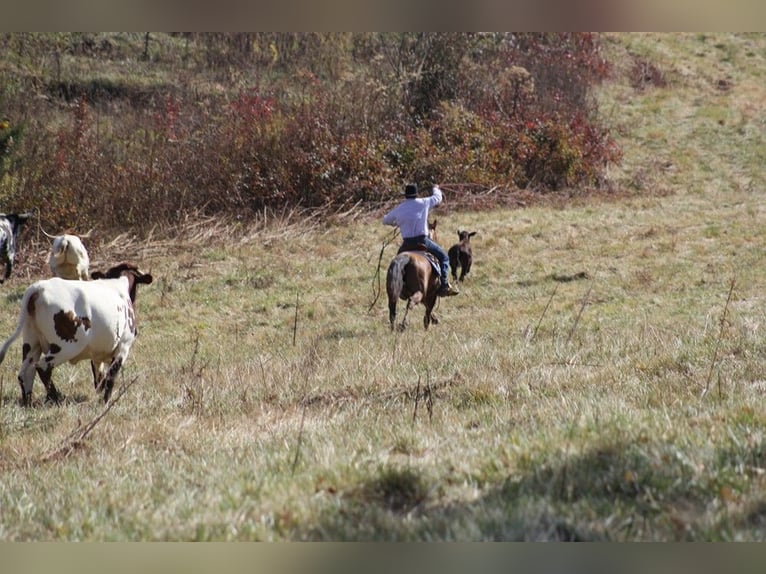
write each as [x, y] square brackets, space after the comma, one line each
[234, 123]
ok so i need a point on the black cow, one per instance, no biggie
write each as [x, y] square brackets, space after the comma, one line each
[10, 224]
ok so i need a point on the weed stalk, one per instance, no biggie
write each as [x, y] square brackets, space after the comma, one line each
[300, 440]
[582, 308]
[78, 435]
[295, 319]
[718, 342]
[539, 322]
[417, 400]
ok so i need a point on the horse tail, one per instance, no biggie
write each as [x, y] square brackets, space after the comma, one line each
[395, 277]
[395, 284]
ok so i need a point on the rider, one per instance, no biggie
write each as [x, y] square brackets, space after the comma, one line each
[411, 216]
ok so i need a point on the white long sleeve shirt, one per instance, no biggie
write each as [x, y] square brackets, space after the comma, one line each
[411, 216]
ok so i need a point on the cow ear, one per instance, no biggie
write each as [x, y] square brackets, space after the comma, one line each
[98, 275]
[472, 234]
[145, 279]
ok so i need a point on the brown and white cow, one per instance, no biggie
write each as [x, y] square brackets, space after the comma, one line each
[69, 260]
[72, 321]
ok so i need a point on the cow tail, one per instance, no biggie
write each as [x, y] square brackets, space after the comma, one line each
[22, 319]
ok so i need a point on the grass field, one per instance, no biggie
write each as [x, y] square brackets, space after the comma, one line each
[600, 376]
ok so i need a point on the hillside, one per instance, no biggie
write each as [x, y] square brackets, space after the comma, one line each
[599, 378]
[687, 108]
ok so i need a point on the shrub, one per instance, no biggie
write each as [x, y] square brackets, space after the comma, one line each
[237, 123]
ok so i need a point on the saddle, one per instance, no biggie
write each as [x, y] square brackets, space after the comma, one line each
[412, 246]
[421, 249]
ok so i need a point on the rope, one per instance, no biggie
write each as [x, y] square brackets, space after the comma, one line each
[376, 276]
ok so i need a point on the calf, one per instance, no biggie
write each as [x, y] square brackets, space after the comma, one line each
[10, 224]
[73, 321]
[69, 258]
[461, 255]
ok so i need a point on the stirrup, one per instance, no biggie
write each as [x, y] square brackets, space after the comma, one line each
[447, 291]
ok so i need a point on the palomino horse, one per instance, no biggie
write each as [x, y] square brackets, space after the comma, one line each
[411, 278]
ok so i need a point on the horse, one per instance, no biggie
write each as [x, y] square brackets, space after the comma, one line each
[432, 230]
[412, 278]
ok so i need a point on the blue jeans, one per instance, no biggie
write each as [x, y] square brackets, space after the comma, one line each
[432, 247]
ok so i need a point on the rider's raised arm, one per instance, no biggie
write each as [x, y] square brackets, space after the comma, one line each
[436, 196]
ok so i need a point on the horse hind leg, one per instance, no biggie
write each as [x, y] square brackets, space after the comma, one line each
[429, 303]
[403, 324]
[411, 302]
[428, 318]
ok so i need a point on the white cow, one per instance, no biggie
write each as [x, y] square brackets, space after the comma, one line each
[69, 258]
[73, 321]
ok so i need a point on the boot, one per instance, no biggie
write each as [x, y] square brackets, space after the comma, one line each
[447, 290]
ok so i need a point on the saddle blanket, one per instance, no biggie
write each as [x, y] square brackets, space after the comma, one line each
[421, 250]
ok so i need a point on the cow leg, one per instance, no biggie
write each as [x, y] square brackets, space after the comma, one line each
[52, 394]
[98, 380]
[111, 375]
[29, 356]
[465, 269]
[8, 267]
[453, 262]
[45, 370]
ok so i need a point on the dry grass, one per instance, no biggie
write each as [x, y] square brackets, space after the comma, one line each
[597, 378]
